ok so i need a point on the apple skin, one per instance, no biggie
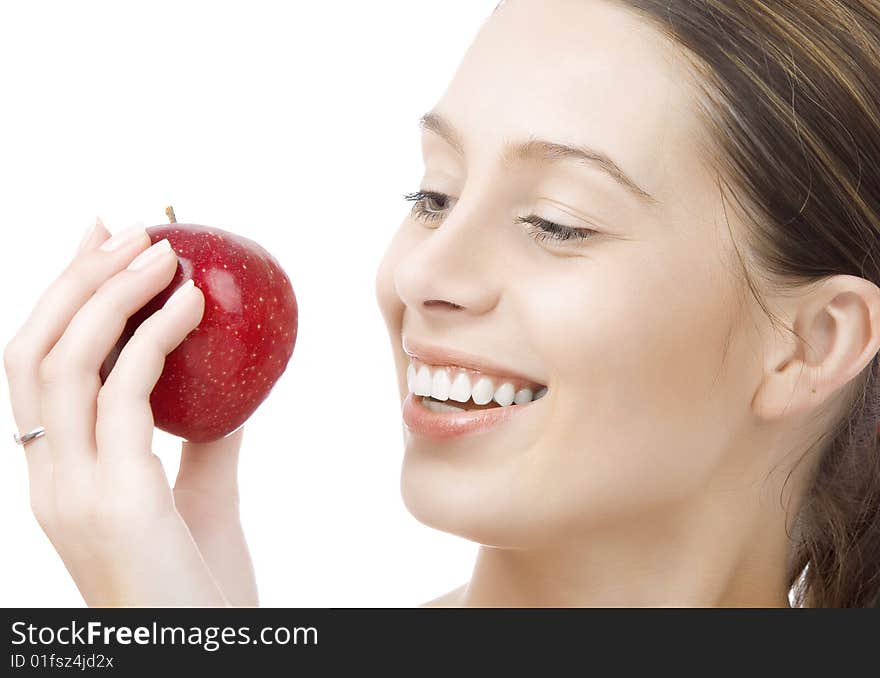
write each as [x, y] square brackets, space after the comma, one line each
[221, 372]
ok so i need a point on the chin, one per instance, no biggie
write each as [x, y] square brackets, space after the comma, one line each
[445, 496]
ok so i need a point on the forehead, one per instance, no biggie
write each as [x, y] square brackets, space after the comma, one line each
[576, 71]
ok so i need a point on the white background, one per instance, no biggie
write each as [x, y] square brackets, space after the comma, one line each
[294, 124]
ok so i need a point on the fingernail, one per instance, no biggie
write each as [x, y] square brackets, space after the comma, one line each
[122, 238]
[179, 292]
[88, 236]
[150, 255]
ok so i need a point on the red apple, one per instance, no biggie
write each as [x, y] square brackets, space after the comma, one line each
[215, 379]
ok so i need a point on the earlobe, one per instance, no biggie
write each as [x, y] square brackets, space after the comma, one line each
[836, 335]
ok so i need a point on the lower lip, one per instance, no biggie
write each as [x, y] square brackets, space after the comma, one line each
[422, 421]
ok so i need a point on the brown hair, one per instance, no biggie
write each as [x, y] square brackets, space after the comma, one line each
[789, 92]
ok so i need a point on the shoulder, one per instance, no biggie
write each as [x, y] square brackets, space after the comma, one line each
[451, 599]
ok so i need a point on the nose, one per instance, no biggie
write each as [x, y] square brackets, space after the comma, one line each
[453, 268]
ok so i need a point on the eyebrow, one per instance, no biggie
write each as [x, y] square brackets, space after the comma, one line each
[549, 151]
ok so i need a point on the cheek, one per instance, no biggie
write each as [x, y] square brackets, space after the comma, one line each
[636, 345]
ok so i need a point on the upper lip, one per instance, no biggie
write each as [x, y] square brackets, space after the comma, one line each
[438, 355]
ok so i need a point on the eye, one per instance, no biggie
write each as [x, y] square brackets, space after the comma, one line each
[543, 230]
[428, 206]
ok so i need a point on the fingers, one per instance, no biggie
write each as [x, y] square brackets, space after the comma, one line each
[45, 325]
[124, 421]
[76, 284]
[21, 358]
[69, 374]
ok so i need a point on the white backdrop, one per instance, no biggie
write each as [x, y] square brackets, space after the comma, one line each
[294, 124]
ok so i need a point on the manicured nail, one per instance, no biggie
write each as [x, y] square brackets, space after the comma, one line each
[122, 238]
[179, 292]
[150, 255]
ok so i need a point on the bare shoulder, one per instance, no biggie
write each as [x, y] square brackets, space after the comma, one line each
[451, 599]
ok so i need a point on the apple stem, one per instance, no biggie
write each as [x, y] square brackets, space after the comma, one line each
[169, 212]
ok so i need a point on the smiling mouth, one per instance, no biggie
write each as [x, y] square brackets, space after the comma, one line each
[451, 401]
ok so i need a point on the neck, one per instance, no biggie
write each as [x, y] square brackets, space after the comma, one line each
[708, 554]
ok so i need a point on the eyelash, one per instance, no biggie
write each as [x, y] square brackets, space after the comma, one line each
[540, 229]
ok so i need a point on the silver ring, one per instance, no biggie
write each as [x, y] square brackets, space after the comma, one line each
[30, 435]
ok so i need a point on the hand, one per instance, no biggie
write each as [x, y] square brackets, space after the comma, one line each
[96, 488]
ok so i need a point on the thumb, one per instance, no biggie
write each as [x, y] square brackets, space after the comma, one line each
[210, 468]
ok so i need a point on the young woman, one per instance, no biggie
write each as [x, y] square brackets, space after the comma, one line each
[643, 260]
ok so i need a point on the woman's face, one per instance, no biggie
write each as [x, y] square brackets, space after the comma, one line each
[628, 328]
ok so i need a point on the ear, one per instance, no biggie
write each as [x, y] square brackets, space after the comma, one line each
[838, 325]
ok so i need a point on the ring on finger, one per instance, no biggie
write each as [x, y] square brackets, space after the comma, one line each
[25, 438]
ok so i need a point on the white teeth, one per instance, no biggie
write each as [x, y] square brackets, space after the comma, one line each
[441, 407]
[504, 395]
[435, 383]
[461, 388]
[423, 381]
[483, 391]
[523, 396]
[440, 385]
